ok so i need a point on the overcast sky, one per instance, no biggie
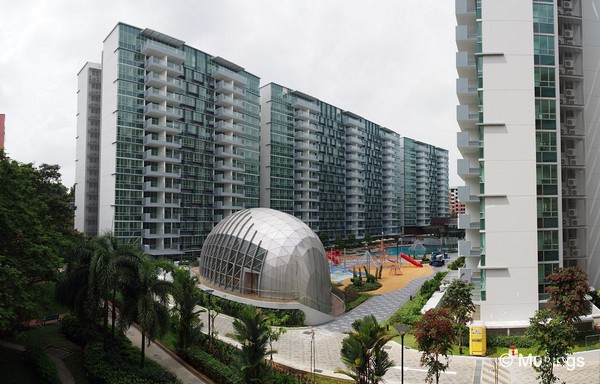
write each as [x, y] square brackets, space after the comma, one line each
[390, 61]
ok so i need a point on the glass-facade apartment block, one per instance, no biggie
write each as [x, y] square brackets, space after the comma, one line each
[424, 182]
[179, 141]
[337, 171]
[526, 80]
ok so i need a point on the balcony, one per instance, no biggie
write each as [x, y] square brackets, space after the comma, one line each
[465, 11]
[226, 192]
[162, 203]
[148, 234]
[355, 192]
[223, 87]
[466, 118]
[464, 222]
[306, 166]
[228, 75]
[229, 179]
[150, 186]
[465, 145]
[466, 90]
[354, 149]
[466, 37]
[306, 176]
[148, 171]
[223, 166]
[306, 126]
[166, 252]
[306, 187]
[154, 48]
[465, 64]
[170, 127]
[465, 170]
[354, 183]
[155, 110]
[306, 156]
[355, 166]
[150, 218]
[311, 106]
[222, 139]
[355, 175]
[352, 122]
[227, 127]
[465, 249]
[154, 64]
[306, 208]
[354, 140]
[227, 206]
[306, 146]
[157, 96]
[174, 158]
[305, 197]
[464, 195]
[307, 116]
[230, 102]
[229, 153]
[228, 114]
[305, 136]
[172, 143]
[153, 79]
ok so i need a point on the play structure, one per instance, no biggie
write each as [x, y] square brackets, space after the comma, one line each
[411, 260]
[334, 256]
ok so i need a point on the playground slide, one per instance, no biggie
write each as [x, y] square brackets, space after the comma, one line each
[332, 256]
[410, 260]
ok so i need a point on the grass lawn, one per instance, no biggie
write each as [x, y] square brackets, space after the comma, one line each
[409, 341]
[43, 336]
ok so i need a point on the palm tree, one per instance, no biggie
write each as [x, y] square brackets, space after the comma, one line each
[145, 299]
[252, 332]
[72, 290]
[363, 353]
[187, 297]
[111, 255]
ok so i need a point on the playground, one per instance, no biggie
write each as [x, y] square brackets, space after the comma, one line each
[397, 269]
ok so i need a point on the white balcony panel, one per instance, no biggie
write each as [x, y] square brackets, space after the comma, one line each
[228, 75]
[154, 48]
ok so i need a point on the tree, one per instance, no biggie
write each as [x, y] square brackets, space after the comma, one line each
[554, 338]
[458, 301]
[73, 288]
[187, 297]
[434, 336]
[324, 237]
[252, 332]
[111, 257]
[567, 291]
[35, 228]
[145, 299]
[275, 330]
[362, 351]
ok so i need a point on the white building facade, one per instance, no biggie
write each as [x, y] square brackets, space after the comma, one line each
[527, 110]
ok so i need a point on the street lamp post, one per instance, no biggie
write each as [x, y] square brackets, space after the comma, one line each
[402, 331]
[209, 292]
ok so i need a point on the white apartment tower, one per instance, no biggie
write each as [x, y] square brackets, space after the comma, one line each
[528, 105]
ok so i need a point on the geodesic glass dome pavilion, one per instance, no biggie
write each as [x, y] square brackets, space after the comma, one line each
[270, 254]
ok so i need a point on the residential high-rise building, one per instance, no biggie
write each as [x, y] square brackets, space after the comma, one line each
[455, 206]
[2, 119]
[528, 97]
[169, 143]
[424, 183]
[87, 164]
[341, 173]
[333, 169]
[179, 141]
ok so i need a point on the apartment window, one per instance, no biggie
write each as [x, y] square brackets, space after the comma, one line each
[545, 114]
[543, 18]
[545, 84]
[547, 212]
[543, 49]
[546, 150]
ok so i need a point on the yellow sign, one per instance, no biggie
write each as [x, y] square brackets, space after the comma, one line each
[477, 341]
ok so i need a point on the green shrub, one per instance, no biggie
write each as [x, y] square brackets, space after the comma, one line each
[507, 341]
[409, 312]
[44, 368]
[458, 263]
[120, 365]
[364, 287]
[74, 330]
[218, 371]
[358, 300]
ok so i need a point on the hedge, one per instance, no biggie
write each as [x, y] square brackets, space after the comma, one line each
[218, 371]
[44, 368]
